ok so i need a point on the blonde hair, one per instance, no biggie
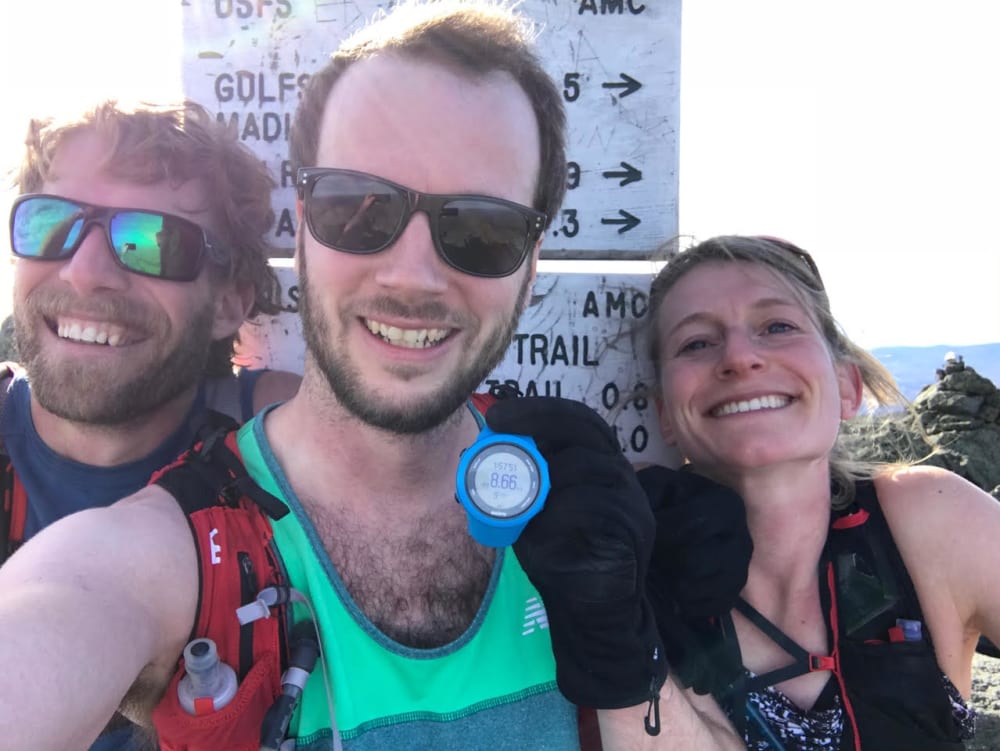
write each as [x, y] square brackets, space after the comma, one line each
[797, 269]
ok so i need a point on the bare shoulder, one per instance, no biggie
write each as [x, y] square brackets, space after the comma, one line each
[274, 386]
[929, 506]
[946, 529]
[907, 492]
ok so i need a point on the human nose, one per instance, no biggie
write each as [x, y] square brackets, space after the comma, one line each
[92, 266]
[412, 260]
[739, 355]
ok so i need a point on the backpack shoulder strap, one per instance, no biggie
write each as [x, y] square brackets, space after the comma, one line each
[212, 472]
[873, 587]
[230, 519]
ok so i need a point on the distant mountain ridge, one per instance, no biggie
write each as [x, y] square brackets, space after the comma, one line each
[914, 367]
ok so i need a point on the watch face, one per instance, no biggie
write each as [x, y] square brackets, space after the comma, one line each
[502, 480]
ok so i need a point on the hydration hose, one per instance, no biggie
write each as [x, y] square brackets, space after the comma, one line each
[305, 646]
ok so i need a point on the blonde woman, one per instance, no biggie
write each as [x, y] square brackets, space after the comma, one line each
[868, 587]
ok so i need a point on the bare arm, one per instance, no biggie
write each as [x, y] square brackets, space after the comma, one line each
[687, 721]
[947, 531]
[86, 606]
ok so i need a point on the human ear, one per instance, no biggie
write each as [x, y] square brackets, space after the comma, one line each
[663, 419]
[299, 241]
[533, 260]
[851, 387]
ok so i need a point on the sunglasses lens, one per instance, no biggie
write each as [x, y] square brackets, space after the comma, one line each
[157, 244]
[45, 228]
[353, 213]
[482, 237]
[357, 213]
[146, 242]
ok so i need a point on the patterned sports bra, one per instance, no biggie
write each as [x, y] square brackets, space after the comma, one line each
[776, 724]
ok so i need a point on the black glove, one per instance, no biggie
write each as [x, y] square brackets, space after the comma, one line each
[698, 568]
[587, 554]
[703, 547]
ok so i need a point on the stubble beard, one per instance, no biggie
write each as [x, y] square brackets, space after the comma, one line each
[91, 393]
[432, 410]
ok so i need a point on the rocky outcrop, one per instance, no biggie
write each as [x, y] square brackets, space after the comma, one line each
[956, 425]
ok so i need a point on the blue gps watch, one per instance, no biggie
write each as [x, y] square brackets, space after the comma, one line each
[502, 482]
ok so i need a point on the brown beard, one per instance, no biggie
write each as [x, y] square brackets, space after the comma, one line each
[80, 392]
[347, 384]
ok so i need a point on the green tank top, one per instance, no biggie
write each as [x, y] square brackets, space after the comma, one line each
[492, 687]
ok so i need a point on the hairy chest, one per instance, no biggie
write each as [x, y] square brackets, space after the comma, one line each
[421, 584]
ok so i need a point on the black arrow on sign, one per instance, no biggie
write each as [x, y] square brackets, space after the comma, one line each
[628, 221]
[628, 83]
[629, 175]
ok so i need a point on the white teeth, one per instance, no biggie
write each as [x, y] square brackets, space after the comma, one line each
[772, 401]
[90, 333]
[410, 338]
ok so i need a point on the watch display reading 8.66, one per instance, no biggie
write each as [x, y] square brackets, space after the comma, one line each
[502, 481]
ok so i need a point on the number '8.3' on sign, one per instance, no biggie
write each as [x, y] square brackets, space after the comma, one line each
[502, 482]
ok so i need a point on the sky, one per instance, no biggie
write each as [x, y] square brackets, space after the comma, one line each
[865, 131]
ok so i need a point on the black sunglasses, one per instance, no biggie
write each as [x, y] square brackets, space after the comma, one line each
[359, 213]
[151, 243]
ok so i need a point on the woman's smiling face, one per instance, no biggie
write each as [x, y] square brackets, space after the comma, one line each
[747, 379]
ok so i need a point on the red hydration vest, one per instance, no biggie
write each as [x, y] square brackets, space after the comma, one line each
[229, 518]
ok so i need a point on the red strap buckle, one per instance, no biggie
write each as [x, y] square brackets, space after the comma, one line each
[821, 662]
